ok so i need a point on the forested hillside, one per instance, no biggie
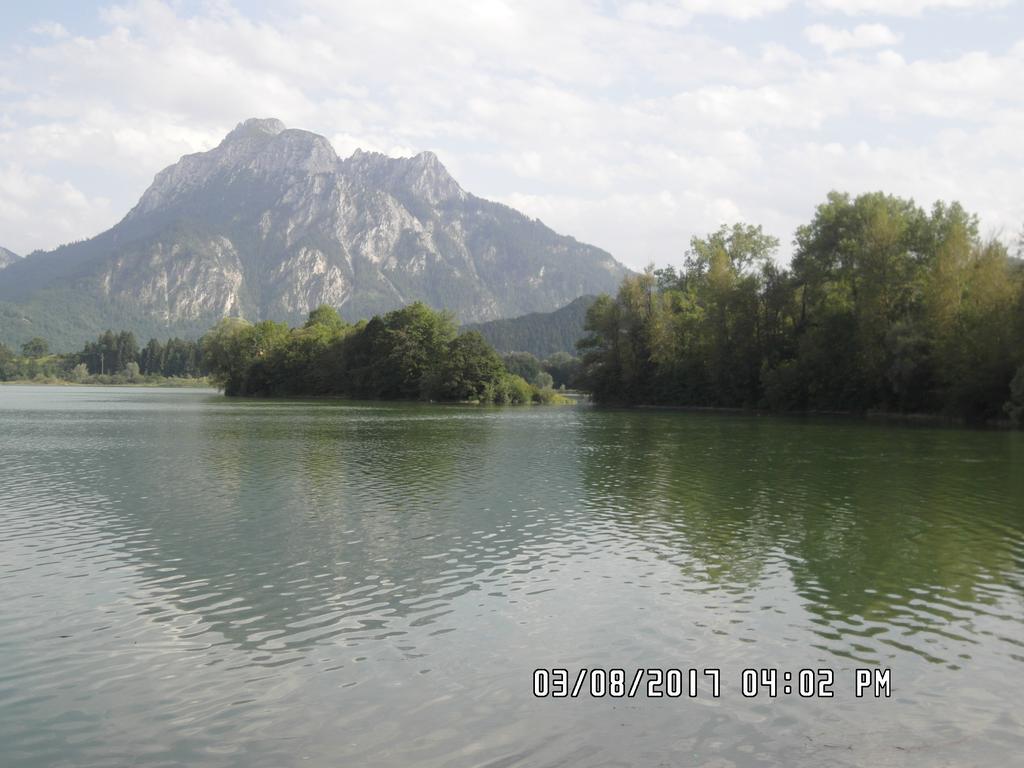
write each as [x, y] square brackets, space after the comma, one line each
[885, 307]
[540, 333]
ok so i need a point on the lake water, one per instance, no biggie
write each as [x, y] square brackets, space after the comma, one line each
[189, 580]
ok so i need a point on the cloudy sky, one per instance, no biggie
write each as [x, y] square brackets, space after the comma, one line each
[632, 125]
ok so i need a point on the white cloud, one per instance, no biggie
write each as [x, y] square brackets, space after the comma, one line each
[605, 121]
[682, 12]
[41, 209]
[50, 29]
[903, 7]
[832, 39]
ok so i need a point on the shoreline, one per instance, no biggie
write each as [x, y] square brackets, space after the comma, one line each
[572, 397]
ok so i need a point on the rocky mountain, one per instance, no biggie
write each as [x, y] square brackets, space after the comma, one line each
[7, 257]
[271, 223]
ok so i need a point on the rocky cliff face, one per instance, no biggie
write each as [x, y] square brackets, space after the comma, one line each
[271, 223]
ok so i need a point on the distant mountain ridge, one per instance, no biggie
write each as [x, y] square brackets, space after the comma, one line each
[540, 333]
[271, 223]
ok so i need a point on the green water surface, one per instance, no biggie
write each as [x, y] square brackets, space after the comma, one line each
[191, 580]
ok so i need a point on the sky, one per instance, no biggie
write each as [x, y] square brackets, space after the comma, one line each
[632, 125]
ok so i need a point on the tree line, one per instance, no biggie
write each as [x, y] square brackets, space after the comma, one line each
[885, 306]
[413, 353]
[113, 358]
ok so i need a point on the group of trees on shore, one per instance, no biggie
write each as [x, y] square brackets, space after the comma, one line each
[885, 307]
[114, 358]
[413, 353]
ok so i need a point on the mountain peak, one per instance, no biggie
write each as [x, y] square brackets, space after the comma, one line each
[422, 176]
[255, 127]
[426, 157]
[264, 146]
[428, 178]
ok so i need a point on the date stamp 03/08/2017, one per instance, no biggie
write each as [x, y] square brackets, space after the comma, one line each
[673, 683]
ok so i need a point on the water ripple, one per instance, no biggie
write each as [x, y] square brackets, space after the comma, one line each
[191, 580]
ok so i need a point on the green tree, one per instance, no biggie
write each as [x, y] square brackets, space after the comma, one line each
[35, 347]
[470, 370]
[151, 358]
[412, 344]
[410, 353]
[8, 364]
[563, 368]
[234, 347]
[980, 356]
[886, 307]
[523, 364]
[327, 317]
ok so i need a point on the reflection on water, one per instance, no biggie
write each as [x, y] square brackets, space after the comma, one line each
[187, 579]
[886, 534]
